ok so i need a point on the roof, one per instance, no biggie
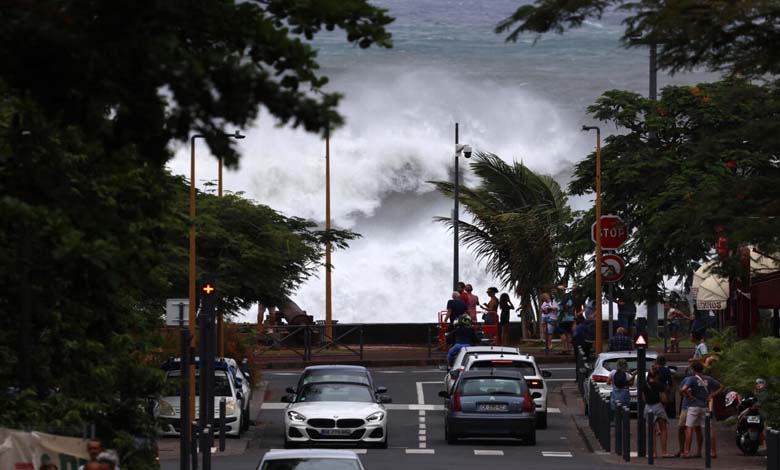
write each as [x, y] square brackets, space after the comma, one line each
[499, 372]
[335, 367]
[310, 453]
[504, 349]
[619, 354]
[498, 356]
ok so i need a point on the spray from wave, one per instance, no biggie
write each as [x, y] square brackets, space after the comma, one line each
[399, 134]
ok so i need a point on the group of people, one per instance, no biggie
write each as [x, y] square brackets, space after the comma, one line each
[99, 458]
[495, 311]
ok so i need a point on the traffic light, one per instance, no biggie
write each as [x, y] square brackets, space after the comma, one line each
[208, 295]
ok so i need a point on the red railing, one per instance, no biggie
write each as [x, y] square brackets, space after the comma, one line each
[488, 330]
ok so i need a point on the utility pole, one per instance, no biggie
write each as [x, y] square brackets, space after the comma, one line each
[328, 285]
[455, 220]
[599, 291]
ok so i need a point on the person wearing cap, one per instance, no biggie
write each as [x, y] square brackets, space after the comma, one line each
[462, 336]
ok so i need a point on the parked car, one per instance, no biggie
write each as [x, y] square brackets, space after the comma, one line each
[606, 362]
[534, 377]
[169, 411]
[309, 459]
[490, 403]
[242, 380]
[463, 356]
[336, 404]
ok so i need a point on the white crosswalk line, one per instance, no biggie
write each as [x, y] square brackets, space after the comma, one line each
[488, 452]
[420, 451]
[556, 454]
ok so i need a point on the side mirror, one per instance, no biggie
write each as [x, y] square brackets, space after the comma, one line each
[384, 399]
[546, 374]
[290, 390]
[239, 396]
[455, 373]
[444, 394]
[381, 390]
[286, 399]
[536, 395]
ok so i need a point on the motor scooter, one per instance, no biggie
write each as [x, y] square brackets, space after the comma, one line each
[750, 423]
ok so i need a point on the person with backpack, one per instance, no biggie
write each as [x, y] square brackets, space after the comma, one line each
[699, 389]
[462, 336]
[621, 380]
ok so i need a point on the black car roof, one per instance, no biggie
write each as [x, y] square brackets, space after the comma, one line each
[175, 364]
[497, 372]
[336, 368]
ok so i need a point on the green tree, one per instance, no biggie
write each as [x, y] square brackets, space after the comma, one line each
[519, 217]
[710, 170]
[724, 35]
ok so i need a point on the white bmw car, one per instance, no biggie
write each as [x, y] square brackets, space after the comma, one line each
[335, 412]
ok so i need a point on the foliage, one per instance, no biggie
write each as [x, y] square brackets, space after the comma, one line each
[742, 362]
[724, 35]
[710, 170]
[519, 217]
[165, 69]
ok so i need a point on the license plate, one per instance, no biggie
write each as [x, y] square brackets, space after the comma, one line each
[753, 419]
[492, 407]
[335, 432]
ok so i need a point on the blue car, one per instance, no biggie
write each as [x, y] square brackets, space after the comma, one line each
[490, 403]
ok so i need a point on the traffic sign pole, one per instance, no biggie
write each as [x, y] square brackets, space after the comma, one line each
[599, 294]
[641, 345]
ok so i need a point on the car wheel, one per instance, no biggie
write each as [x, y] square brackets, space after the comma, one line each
[530, 438]
[541, 420]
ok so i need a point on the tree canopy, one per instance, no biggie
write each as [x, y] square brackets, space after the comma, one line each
[736, 37]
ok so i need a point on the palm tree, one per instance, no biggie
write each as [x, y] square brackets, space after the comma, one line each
[518, 219]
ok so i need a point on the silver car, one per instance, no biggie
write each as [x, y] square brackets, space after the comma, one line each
[606, 363]
[308, 459]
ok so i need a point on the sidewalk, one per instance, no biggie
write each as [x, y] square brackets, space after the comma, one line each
[729, 456]
[398, 355]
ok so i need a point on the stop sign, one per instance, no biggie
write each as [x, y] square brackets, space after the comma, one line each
[613, 232]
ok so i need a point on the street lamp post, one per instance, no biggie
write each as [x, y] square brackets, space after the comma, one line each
[599, 336]
[328, 285]
[220, 317]
[466, 150]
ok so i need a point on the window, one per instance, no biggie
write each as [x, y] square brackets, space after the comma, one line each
[311, 464]
[632, 363]
[335, 392]
[526, 368]
[335, 376]
[491, 386]
[221, 382]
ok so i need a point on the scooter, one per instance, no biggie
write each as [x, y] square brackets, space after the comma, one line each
[750, 423]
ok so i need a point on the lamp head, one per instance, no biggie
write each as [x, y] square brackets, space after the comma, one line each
[237, 135]
[589, 128]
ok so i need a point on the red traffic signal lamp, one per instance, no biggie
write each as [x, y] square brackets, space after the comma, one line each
[640, 342]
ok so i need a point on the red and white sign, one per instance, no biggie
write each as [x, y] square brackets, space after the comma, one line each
[612, 268]
[613, 232]
[641, 341]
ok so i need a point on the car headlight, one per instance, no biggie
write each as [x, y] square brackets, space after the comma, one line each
[295, 416]
[230, 407]
[374, 417]
[166, 409]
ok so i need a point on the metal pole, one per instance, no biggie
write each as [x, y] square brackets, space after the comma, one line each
[666, 329]
[205, 448]
[651, 439]
[707, 440]
[618, 428]
[195, 445]
[328, 286]
[610, 295]
[184, 431]
[222, 411]
[599, 291]
[202, 373]
[192, 269]
[455, 218]
[220, 317]
[626, 434]
[640, 400]
[653, 72]
[361, 342]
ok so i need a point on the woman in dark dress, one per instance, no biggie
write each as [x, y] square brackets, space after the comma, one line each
[505, 305]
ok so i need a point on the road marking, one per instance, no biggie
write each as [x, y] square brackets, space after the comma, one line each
[359, 451]
[553, 410]
[422, 426]
[634, 454]
[556, 454]
[421, 432]
[422, 419]
[390, 372]
[420, 451]
[488, 452]
[420, 393]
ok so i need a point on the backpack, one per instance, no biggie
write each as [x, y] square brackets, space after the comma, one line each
[620, 379]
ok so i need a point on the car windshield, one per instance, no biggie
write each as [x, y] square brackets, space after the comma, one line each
[490, 386]
[311, 464]
[526, 368]
[609, 364]
[221, 382]
[335, 392]
[358, 377]
[471, 354]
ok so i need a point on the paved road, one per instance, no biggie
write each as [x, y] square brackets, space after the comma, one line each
[417, 432]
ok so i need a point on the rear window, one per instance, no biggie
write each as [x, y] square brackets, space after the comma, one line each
[526, 368]
[490, 386]
[311, 464]
[632, 363]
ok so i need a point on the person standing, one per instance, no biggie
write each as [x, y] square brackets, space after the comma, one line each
[549, 318]
[464, 296]
[505, 305]
[491, 307]
[621, 381]
[654, 393]
[674, 319]
[455, 307]
[473, 301]
[626, 313]
[94, 448]
[620, 342]
[701, 347]
[700, 390]
[665, 378]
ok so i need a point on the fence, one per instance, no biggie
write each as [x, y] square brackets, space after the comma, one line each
[772, 449]
[307, 341]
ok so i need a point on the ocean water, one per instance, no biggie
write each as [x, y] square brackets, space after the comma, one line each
[518, 100]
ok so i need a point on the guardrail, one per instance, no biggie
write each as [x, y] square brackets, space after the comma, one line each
[300, 341]
[772, 449]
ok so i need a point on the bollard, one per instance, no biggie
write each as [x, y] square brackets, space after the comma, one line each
[205, 451]
[651, 439]
[222, 427]
[194, 445]
[606, 413]
[707, 440]
[772, 449]
[618, 428]
[626, 433]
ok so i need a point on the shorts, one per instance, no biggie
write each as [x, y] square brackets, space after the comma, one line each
[657, 410]
[682, 418]
[695, 416]
[551, 328]
[621, 395]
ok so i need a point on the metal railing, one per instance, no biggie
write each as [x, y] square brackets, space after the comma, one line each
[307, 341]
[772, 449]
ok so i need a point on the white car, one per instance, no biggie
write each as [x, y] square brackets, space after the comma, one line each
[169, 409]
[246, 390]
[310, 459]
[335, 412]
[525, 363]
[463, 356]
[605, 364]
